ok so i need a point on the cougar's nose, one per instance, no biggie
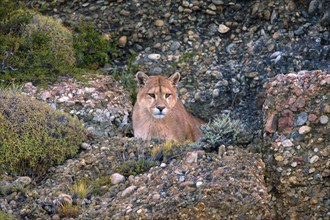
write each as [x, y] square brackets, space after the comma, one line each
[160, 108]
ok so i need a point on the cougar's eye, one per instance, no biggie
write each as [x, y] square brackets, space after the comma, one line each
[167, 95]
[152, 95]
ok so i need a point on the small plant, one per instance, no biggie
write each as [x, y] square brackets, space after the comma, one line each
[222, 130]
[182, 59]
[33, 136]
[81, 189]
[68, 210]
[127, 77]
[135, 167]
[169, 150]
[101, 185]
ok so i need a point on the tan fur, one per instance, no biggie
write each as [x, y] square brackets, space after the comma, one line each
[158, 113]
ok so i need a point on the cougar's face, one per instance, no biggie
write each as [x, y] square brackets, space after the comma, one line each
[158, 95]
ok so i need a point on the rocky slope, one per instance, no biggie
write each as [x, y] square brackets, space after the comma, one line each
[228, 53]
[225, 50]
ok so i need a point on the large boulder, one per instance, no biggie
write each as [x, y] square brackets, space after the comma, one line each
[296, 151]
[201, 186]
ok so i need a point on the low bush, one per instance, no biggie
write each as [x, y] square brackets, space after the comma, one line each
[169, 150]
[33, 47]
[91, 49]
[35, 137]
[222, 130]
[134, 168]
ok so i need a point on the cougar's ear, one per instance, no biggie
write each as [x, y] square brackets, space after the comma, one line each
[174, 78]
[142, 78]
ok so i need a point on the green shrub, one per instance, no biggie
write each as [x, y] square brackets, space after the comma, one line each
[34, 48]
[222, 130]
[91, 49]
[134, 168]
[33, 136]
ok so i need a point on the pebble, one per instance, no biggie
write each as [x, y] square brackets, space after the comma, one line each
[300, 119]
[223, 29]
[324, 119]
[294, 164]
[199, 184]
[279, 158]
[23, 180]
[314, 158]
[154, 56]
[117, 178]
[287, 143]
[122, 41]
[159, 23]
[191, 157]
[128, 191]
[304, 129]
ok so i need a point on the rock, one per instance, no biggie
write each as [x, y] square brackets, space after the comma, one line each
[117, 178]
[199, 184]
[128, 191]
[304, 129]
[287, 143]
[65, 198]
[122, 41]
[215, 179]
[325, 20]
[313, 159]
[324, 119]
[279, 158]
[23, 181]
[313, 7]
[300, 119]
[154, 56]
[191, 157]
[56, 217]
[271, 124]
[223, 29]
[159, 23]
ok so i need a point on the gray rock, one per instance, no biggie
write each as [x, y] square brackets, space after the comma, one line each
[324, 119]
[117, 178]
[23, 180]
[300, 119]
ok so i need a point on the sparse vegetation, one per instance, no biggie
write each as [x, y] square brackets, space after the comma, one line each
[33, 136]
[127, 77]
[134, 168]
[101, 185]
[81, 189]
[68, 210]
[169, 150]
[222, 130]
